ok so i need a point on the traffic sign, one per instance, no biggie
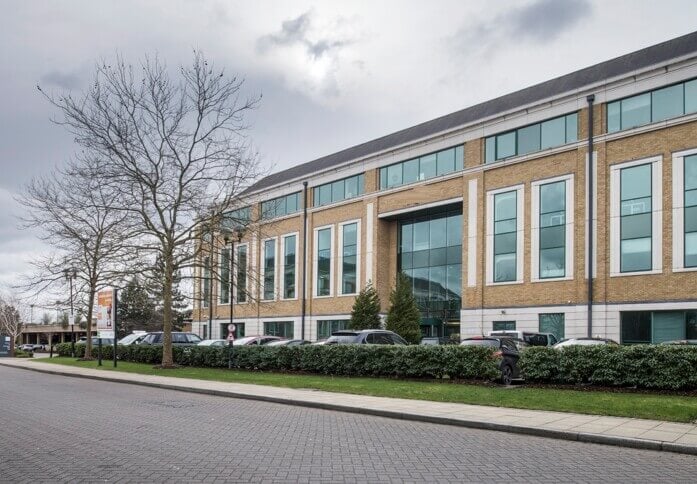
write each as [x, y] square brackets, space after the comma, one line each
[231, 336]
[231, 328]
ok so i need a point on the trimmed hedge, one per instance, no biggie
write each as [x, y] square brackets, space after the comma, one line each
[456, 362]
[663, 367]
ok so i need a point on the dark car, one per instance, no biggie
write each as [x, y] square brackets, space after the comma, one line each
[178, 339]
[255, 340]
[95, 341]
[289, 342]
[434, 340]
[505, 349]
[365, 337]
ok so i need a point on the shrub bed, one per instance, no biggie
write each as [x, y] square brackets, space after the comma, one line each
[456, 362]
[663, 367]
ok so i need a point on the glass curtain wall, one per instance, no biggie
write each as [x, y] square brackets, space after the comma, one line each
[324, 262]
[241, 284]
[553, 230]
[690, 220]
[289, 267]
[269, 268]
[505, 236]
[349, 259]
[225, 276]
[635, 224]
[430, 255]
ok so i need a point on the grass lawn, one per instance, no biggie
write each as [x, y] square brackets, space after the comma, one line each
[638, 405]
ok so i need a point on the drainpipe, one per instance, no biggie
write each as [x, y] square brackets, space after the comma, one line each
[302, 320]
[590, 100]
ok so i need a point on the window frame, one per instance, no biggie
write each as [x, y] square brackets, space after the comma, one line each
[315, 261]
[316, 200]
[236, 268]
[340, 258]
[225, 286]
[678, 177]
[520, 234]
[282, 292]
[264, 217]
[459, 166]
[535, 228]
[263, 269]
[331, 322]
[656, 216]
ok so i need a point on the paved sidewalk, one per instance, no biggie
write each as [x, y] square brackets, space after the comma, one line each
[628, 432]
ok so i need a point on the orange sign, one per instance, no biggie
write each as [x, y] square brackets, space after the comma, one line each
[105, 303]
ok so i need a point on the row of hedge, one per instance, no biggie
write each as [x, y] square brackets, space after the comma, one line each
[456, 362]
[663, 367]
[641, 366]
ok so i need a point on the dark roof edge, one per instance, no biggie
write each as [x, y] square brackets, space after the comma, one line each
[567, 83]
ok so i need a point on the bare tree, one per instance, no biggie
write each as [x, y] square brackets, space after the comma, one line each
[10, 319]
[172, 151]
[76, 215]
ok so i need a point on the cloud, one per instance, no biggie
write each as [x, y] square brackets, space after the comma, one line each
[64, 80]
[538, 22]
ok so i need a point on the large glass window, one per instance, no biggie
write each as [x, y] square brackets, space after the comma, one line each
[339, 190]
[225, 276]
[238, 333]
[430, 255]
[283, 329]
[236, 218]
[552, 230]
[206, 292]
[635, 221]
[241, 285]
[690, 214]
[325, 328]
[269, 269]
[505, 236]
[422, 168]
[535, 137]
[324, 262]
[651, 107]
[646, 327]
[278, 207]
[552, 323]
[289, 250]
[349, 258]
[504, 326]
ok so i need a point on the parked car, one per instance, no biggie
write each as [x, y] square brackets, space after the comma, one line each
[681, 342]
[583, 342]
[505, 349]
[530, 338]
[27, 347]
[255, 340]
[289, 342]
[95, 341]
[133, 338]
[213, 342]
[178, 338]
[436, 340]
[365, 336]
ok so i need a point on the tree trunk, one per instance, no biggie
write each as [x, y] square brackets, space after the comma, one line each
[167, 360]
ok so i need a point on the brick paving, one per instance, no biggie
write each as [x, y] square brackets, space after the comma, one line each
[61, 429]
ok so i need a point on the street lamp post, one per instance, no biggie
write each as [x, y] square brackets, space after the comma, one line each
[238, 233]
[71, 274]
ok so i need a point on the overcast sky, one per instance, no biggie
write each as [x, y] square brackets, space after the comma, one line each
[332, 74]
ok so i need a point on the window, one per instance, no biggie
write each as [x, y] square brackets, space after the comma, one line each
[339, 190]
[241, 284]
[269, 268]
[552, 323]
[635, 217]
[652, 107]
[323, 242]
[289, 250]
[635, 212]
[325, 328]
[430, 255]
[206, 293]
[225, 276]
[535, 137]
[278, 207]
[505, 236]
[552, 238]
[283, 329]
[690, 210]
[422, 168]
[239, 330]
[236, 218]
[646, 327]
[349, 258]
[504, 326]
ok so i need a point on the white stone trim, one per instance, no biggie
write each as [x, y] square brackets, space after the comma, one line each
[594, 257]
[369, 250]
[535, 228]
[315, 261]
[282, 280]
[262, 268]
[472, 233]
[656, 216]
[419, 207]
[520, 236]
[340, 258]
